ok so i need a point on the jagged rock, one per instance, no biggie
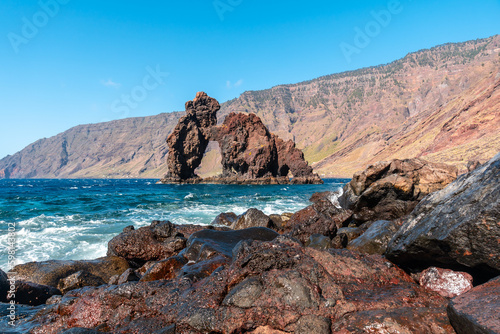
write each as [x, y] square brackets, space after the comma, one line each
[390, 190]
[268, 286]
[158, 241]
[4, 285]
[375, 239]
[456, 227]
[250, 153]
[225, 219]
[165, 269]
[447, 283]
[477, 310]
[252, 218]
[319, 241]
[128, 276]
[190, 138]
[79, 280]
[52, 272]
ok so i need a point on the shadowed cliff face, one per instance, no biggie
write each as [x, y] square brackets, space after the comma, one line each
[440, 104]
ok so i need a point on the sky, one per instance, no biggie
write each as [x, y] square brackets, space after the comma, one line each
[70, 62]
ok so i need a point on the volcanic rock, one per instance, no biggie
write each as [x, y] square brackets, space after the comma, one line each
[158, 241]
[252, 218]
[456, 227]
[52, 272]
[375, 239]
[477, 310]
[447, 283]
[268, 286]
[29, 293]
[225, 219]
[190, 138]
[79, 280]
[390, 190]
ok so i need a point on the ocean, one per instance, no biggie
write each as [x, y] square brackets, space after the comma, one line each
[75, 219]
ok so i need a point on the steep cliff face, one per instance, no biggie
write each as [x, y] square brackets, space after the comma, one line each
[441, 104]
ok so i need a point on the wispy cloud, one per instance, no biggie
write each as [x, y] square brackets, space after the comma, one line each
[110, 83]
[237, 84]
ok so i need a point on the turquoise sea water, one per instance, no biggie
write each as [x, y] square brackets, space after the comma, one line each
[74, 219]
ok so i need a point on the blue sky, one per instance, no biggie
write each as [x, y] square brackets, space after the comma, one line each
[70, 62]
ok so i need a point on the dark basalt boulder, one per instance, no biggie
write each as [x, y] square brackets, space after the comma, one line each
[390, 190]
[376, 238]
[52, 272]
[29, 293]
[267, 287]
[225, 219]
[477, 310]
[456, 227]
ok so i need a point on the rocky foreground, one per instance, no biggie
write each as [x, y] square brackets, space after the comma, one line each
[405, 248]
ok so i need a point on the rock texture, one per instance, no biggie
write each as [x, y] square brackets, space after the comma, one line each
[456, 227]
[52, 272]
[390, 190]
[250, 153]
[268, 287]
[477, 310]
[190, 138]
[447, 283]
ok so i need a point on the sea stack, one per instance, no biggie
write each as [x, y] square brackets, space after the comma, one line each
[250, 153]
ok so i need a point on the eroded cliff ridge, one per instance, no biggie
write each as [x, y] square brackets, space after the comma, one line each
[250, 153]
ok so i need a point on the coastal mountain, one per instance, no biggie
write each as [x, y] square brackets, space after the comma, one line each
[440, 104]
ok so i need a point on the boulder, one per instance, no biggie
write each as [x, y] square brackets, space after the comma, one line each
[128, 276]
[52, 272]
[158, 241]
[79, 280]
[165, 269]
[319, 241]
[375, 239]
[252, 218]
[390, 190]
[4, 285]
[225, 219]
[477, 310]
[446, 282]
[456, 227]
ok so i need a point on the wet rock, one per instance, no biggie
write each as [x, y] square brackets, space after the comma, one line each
[225, 219]
[33, 294]
[80, 330]
[252, 218]
[351, 233]
[128, 276]
[165, 269]
[375, 239]
[52, 272]
[4, 285]
[269, 286]
[319, 241]
[447, 283]
[190, 138]
[79, 280]
[477, 310]
[158, 241]
[390, 190]
[456, 227]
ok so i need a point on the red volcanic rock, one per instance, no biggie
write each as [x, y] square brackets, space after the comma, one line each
[447, 283]
[477, 311]
[190, 138]
[251, 152]
[268, 287]
[390, 190]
